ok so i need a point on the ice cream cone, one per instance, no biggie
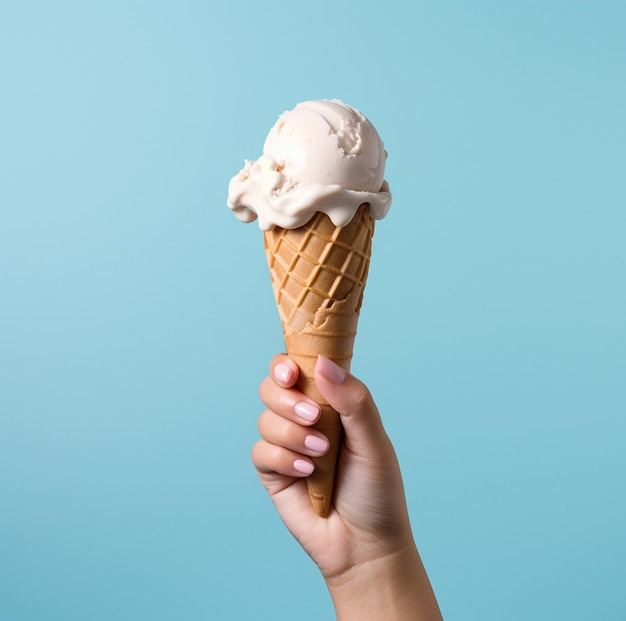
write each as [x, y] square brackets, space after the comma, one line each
[323, 162]
[318, 275]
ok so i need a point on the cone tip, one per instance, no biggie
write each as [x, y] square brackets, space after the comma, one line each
[321, 504]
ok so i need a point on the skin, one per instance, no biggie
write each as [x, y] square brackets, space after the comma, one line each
[364, 549]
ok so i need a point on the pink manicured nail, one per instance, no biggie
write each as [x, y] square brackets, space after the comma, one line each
[283, 373]
[308, 411]
[329, 370]
[316, 444]
[303, 467]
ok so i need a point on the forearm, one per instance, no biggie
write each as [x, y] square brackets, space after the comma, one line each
[395, 588]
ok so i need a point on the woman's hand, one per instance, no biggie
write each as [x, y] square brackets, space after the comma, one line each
[366, 541]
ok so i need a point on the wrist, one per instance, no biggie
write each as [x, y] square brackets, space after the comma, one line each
[394, 587]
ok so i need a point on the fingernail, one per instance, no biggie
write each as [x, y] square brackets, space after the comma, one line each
[329, 370]
[316, 444]
[308, 411]
[283, 373]
[303, 467]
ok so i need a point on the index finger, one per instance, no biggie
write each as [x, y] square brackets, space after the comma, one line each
[284, 371]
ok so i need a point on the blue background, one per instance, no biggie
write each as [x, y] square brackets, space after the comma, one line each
[137, 319]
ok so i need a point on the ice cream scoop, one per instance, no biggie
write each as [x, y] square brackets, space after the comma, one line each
[316, 190]
[322, 156]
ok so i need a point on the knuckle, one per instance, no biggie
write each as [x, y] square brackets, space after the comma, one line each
[361, 397]
[262, 423]
[275, 455]
[256, 452]
[284, 432]
[263, 389]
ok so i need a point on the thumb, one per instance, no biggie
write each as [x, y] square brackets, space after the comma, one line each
[364, 432]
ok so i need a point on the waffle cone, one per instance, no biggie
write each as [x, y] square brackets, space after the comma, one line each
[318, 275]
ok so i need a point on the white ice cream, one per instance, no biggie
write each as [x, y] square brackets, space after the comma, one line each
[322, 156]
